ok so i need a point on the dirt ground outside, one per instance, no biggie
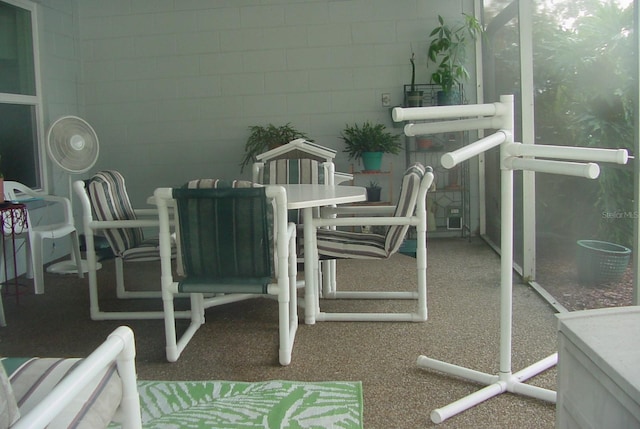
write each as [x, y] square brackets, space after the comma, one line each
[557, 273]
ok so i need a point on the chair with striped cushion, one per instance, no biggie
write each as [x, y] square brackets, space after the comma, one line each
[410, 211]
[107, 211]
[236, 243]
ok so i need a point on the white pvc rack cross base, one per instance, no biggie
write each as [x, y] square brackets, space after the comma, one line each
[70, 267]
[496, 384]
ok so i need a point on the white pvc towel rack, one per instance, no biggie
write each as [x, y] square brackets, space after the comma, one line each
[573, 161]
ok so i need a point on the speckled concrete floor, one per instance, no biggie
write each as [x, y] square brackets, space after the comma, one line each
[239, 341]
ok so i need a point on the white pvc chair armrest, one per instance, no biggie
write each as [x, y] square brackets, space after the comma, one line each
[146, 212]
[358, 210]
[137, 223]
[361, 221]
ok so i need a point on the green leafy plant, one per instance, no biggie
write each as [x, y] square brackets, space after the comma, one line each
[448, 51]
[373, 184]
[267, 137]
[369, 138]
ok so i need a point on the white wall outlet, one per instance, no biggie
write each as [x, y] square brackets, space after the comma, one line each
[386, 99]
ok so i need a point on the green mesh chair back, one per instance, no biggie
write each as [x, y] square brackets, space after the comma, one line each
[225, 237]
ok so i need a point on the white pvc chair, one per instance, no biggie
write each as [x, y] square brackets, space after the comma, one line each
[233, 247]
[332, 243]
[107, 211]
[37, 234]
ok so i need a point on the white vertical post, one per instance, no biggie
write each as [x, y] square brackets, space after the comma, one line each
[506, 246]
[525, 15]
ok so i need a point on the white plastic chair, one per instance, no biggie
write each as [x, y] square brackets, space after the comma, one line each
[37, 234]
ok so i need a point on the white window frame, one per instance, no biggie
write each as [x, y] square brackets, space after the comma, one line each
[32, 100]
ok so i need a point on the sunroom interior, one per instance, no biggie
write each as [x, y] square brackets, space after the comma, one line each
[172, 87]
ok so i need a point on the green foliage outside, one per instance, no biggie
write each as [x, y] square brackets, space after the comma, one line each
[585, 79]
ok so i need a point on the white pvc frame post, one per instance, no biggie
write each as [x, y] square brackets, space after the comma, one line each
[510, 152]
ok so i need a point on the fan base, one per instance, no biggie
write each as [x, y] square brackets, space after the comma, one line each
[70, 267]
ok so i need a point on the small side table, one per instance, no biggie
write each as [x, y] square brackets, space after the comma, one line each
[13, 217]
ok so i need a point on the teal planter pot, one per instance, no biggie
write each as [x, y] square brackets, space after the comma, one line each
[372, 161]
[601, 262]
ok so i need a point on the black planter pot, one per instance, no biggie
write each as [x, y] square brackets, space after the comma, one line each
[373, 194]
[414, 98]
[601, 262]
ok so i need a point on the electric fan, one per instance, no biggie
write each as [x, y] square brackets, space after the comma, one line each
[73, 145]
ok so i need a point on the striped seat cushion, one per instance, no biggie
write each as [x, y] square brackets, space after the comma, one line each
[32, 379]
[340, 244]
[344, 244]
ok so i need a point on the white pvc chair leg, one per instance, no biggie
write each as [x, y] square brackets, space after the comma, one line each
[29, 257]
[3, 320]
[75, 251]
[37, 266]
[119, 278]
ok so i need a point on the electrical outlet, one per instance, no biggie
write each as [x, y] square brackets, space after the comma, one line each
[386, 99]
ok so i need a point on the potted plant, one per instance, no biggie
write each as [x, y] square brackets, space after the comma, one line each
[370, 142]
[373, 191]
[267, 137]
[414, 97]
[448, 51]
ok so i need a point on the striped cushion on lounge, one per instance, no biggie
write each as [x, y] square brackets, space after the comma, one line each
[406, 206]
[94, 407]
[343, 244]
[9, 411]
[110, 201]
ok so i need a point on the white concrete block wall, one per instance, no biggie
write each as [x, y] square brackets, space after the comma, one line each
[171, 86]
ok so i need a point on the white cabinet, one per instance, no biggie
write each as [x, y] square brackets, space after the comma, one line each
[599, 369]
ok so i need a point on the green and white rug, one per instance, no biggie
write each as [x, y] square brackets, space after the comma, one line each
[270, 404]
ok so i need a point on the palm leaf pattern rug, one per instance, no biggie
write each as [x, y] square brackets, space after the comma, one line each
[230, 404]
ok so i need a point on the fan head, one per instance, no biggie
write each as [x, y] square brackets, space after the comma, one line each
[72, 144]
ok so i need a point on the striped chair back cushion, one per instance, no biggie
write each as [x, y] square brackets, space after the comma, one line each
[405, 207]
[110, 201]
[296, 171]
[224, 236]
